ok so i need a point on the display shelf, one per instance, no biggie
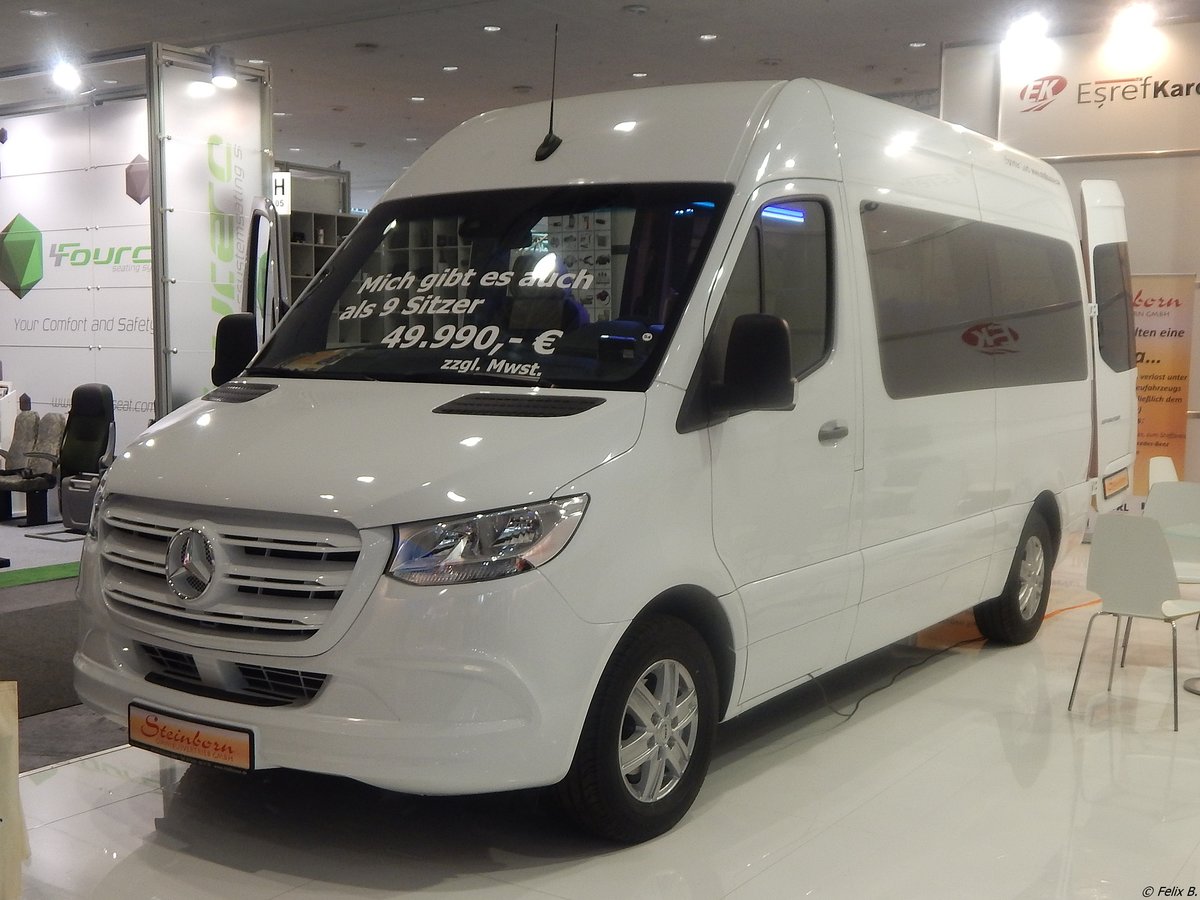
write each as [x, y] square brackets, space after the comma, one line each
[312, 238]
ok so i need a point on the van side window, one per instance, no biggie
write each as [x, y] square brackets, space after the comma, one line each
[1110, 263]
[783, 270]
[964, 305]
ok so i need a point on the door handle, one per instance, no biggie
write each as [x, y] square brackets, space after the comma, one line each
[832, 432]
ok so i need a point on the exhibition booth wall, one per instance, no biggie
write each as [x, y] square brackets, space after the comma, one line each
[1120, 107]
[123, 211]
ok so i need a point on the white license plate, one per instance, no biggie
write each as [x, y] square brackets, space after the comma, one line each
[191, 739]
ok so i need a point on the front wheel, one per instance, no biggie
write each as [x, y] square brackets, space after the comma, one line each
[1016, 615]
[647, 740]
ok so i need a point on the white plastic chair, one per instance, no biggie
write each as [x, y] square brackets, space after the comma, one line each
[1176, 506]
[1161, 468]
[1130, 567]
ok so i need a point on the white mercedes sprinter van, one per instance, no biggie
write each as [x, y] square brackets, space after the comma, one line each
[574, 450]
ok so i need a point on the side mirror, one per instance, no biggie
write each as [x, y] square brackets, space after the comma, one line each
[236, 344]
[758, 366]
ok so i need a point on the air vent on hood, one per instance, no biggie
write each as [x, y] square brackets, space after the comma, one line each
[239, 391]
[517, 405]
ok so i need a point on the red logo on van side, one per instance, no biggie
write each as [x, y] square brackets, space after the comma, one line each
[991, 338]
[1039, 93]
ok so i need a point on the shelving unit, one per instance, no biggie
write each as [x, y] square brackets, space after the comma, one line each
[422, 248]
[312, 239]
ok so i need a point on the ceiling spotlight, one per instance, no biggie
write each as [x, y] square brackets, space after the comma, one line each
[66, 76]
[37, 13]
[417, 99]
[224, 73]
[638, 74]
[256, 62]
[917, 45]
[708, 37]
[491, 29]
[449, 68]
[1027, 48]
[1030, 27]
[1136, 16]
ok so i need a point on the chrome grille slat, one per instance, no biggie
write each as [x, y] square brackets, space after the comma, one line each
[272, 582]
[130, 601]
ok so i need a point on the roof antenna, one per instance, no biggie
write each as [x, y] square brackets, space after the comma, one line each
[551, 141]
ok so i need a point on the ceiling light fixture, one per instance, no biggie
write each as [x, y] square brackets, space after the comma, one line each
[1027, 49]
[638, 74]
[37, 13]
[66, 76]
[917, 45]
[709, 36]
[1134, 43]
[417, 99]
[636, 9]
[449, 68]
[224, 72]
[491, 29]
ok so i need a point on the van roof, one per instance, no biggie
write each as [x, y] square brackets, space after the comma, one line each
[738, 133]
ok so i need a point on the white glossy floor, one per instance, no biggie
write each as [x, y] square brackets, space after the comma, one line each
[965, 778]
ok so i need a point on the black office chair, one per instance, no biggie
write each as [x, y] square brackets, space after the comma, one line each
[87, 450]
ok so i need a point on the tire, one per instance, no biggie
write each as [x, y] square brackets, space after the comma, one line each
[656, 708]
[1016, 615]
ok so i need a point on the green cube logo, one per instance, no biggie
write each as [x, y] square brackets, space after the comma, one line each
[20, 256]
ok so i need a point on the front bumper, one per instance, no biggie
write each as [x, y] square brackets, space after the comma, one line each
[448, 690]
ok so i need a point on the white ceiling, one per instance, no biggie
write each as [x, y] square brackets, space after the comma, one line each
[344, 70]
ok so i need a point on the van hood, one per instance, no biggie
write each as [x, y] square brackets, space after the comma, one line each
[376, 453]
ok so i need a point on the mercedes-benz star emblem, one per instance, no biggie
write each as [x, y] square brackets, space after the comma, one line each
[189, 563]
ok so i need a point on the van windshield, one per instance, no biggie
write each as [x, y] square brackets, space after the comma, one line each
[577, 286]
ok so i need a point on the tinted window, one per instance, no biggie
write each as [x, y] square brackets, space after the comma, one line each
[783, 270]
[963, 305]
[1110, 263]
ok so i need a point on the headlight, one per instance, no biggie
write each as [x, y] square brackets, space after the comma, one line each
[485, 546]
[97, 500]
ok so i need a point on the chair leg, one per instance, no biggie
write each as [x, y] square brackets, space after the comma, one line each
[1112, 665]
[1125, 645]
[1079, 668]
[1175, 671]
[37, 510]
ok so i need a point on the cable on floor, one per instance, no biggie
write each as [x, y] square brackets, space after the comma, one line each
[893, 679]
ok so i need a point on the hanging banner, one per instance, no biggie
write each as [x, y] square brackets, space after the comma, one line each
[1105, 97]
[1162, 319]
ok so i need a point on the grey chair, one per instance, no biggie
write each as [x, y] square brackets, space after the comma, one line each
[37, 475]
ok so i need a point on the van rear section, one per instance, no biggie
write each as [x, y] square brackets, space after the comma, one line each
[572, 451]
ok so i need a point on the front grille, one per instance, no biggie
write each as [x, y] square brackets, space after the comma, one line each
[276, 582]
[236, 682]
[172, 663]
[281, 683]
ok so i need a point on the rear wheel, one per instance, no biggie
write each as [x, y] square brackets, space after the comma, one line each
[647, 740]
[1016, 615]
